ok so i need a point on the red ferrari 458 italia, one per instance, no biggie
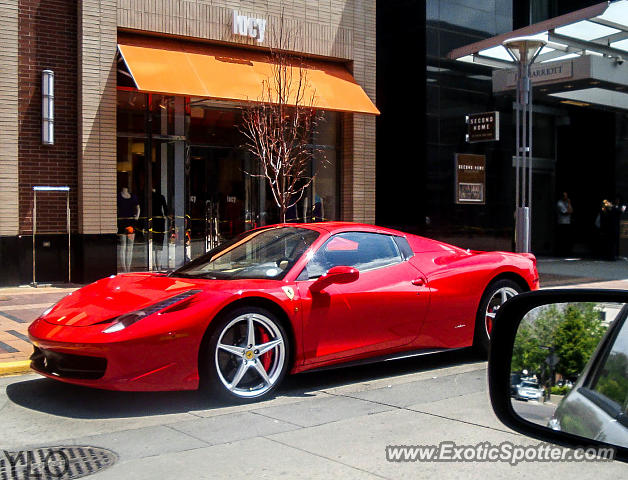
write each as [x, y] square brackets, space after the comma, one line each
[278, 299]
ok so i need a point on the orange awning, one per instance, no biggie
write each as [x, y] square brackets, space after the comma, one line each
[233, 74]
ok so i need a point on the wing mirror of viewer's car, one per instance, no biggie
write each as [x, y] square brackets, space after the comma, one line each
[338, 274]
[558, 367]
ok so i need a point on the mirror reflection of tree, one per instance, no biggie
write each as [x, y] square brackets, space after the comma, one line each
[570, 331]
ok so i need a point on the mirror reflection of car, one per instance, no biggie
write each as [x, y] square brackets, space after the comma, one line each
[529, 390]
[594, 411]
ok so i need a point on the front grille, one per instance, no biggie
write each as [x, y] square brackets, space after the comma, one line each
[67, 365]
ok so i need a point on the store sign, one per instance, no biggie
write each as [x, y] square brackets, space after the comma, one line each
[248, 26]
[470, 178]
[482, 127]
[544, 72]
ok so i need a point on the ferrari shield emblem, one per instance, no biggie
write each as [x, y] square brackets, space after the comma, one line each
[289, 292]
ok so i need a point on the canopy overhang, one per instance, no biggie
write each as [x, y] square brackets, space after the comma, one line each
[601, 29]
[236, 75]
[571, 79]
[585, 60]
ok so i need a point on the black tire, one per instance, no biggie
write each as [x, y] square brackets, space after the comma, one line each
[481, 335]
[219, 368]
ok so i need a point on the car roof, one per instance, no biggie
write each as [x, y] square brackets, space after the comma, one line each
[336, 227]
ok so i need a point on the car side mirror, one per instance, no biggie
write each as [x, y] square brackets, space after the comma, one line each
[338, 274]
[558, 367]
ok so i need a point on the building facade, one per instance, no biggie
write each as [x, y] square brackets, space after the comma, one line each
[155, 165]
[579, 147]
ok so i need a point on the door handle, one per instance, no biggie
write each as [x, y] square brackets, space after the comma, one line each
[418, 282]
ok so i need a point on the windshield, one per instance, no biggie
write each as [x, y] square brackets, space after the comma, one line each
[268, 253]
[530, 385]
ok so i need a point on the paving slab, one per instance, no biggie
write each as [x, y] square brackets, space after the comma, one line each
[362, 442]
[143, 442]
[249, 458]
[230, 428]
[427, 390]
[322, 410]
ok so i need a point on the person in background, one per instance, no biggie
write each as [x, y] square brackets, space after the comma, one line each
[563, 233]
[158, 228]
[128, 214]
[605, 222]
[617, 210]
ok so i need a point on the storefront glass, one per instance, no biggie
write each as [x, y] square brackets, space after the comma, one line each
[205, 188]
[131, 179]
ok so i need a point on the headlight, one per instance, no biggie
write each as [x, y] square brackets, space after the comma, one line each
[554, 424]
[130, 318]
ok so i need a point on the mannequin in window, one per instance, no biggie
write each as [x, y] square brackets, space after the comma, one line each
[128, 214]
[317, 212]
[160, 213]
[318, 209]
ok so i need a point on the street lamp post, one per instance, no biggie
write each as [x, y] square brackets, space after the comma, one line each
[551, 360]
[523, 51]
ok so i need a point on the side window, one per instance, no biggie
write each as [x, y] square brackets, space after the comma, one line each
[404, 247]
[362, 250]
[612, 376]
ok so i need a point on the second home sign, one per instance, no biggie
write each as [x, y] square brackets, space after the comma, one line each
[482, 127]
[470, 178]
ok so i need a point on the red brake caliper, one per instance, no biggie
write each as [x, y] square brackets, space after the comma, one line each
[267, 358]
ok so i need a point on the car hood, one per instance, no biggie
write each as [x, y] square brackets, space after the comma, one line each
[110, 297]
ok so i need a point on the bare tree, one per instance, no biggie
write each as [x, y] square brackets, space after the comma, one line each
[279, 126]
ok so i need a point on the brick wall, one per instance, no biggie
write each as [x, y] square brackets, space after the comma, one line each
[47, 40]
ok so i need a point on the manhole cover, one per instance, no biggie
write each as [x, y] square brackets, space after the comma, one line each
[58, 463]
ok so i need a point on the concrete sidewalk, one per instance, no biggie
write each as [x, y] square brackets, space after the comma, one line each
[564, 272]
[19, 306]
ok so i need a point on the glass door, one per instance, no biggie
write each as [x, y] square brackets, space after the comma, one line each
[168, 244]
[223, 196]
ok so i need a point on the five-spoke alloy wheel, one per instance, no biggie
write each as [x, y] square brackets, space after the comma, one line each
[497, 300]
[247, 354]
[495, 295]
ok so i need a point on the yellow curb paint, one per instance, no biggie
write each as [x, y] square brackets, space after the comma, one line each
[14, 368]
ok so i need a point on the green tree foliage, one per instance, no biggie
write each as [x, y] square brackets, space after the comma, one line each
[573, 330]
[576, 338]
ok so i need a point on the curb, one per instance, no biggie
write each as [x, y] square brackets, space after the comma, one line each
[15, 368]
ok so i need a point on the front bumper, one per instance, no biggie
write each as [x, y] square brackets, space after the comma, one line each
[79, 355]
[66, 365]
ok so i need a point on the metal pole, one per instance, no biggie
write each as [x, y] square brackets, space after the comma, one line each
[34, 232]
[148, 195]
[524, 132]
[523, 191]
[517, 143]
[523, 51]
[531, 113]
[67, 197]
